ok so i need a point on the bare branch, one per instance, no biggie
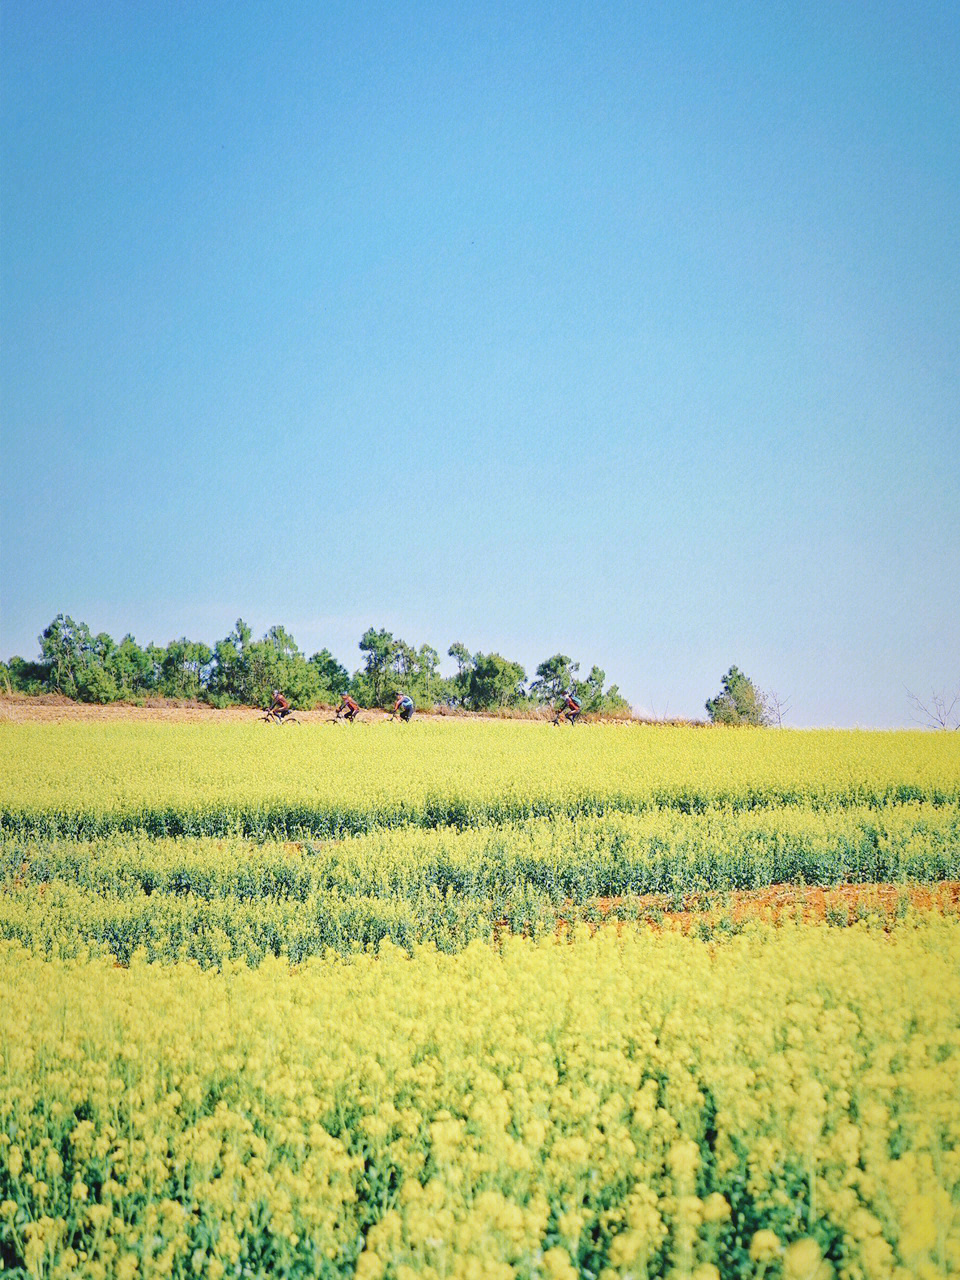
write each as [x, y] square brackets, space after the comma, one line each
[659, 716]
[940, 711]
[775, 707]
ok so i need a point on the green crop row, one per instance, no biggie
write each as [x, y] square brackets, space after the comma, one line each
[653, 852]
[210, 900]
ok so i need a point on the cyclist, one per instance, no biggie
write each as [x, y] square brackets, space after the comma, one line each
[280, 707]
[570, 708]
[403, 705]
[347, 708]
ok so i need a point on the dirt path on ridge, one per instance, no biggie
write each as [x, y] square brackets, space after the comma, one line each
[49, 708]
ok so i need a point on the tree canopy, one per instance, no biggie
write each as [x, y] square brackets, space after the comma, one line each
[239, 670]
[738, 702]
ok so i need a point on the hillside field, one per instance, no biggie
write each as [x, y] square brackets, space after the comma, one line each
[477, 999]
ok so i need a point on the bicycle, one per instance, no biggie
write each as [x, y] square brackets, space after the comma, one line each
[566, 716]
[274, 717]
[346, 719]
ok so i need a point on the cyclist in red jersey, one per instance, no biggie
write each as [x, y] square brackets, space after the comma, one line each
[280, 707]
[570, 708]
[347, 708]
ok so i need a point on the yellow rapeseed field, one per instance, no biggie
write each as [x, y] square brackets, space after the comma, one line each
[199, 779]
[781, 1105]
[413, 1001]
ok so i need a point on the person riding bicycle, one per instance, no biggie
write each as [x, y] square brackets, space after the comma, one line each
[280, 707]
[347, 708]
[570, 709]
[403, 705]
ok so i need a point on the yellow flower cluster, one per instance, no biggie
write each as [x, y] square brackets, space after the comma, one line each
[782, 1105]
[211, 779]
[657, 850]
[215, 899]
[778, 1104]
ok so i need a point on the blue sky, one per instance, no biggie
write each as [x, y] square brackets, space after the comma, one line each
[625, 330]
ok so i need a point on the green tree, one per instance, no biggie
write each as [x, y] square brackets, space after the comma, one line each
[154, 656]
[377, 648]
[241, 670]
[263, 673]
[133, 668]
[27, 677]
[590, 691]
[183, 668]
[298, 678]
[275, 662]
[554, 676]
[391, 666]
[102, 649]
[413, 671]
[614, 701]
[593, 697]
[332, 678]
[65, 648]
[427, 679]
[230, 678]
[95, 684]
[461, 681]
[495, 682]
[738, 702]
[403, 664]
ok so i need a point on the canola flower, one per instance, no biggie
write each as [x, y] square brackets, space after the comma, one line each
[654, 851]
[216, 899]
[781, 1105]
[91, 779]
[412, 1089]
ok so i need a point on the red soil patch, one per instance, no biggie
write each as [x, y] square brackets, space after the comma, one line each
[816, 904]
[775, 904]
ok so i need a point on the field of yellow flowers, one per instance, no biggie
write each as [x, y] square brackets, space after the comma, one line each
[403, 1002]
[324, 780]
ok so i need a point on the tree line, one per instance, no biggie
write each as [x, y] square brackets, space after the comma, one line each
[241, 671]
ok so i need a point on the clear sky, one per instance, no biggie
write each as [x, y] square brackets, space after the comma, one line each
[626, 330]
